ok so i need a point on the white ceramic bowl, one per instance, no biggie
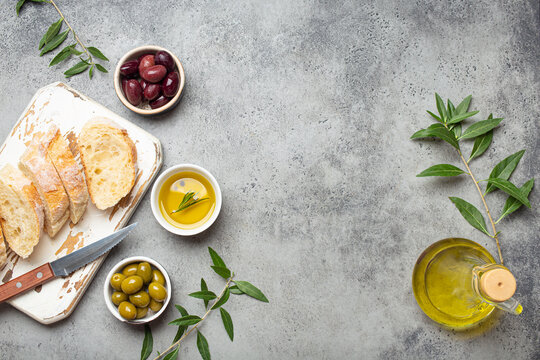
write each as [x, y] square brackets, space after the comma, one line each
[155, 195]
[147, 110]
[108, 290]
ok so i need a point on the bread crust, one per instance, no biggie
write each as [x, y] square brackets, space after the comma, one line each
[106, 126]
[12, 179]
[71, 175]
[3, 251]
[37, 166]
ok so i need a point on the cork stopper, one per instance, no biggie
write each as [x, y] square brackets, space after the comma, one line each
[498, 284]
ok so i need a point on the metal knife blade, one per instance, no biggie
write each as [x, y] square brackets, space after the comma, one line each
[69, 263]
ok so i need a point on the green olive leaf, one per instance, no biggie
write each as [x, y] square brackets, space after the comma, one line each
[172, 355]
[434, 116]
[481, 144]
[216, 259]
[471, 214]
[512, 204]
[182, 311]
[458, 118]
[450, 109]
[511, 190]
[441, 170]
[235, 290]
[504, 169]
[202, 345]
[204, 287]
[77, 69]
[95, 51]
[91, 72]
[222, 300]
[441, 108]
[186, 320]
[62, 55]
[53, 30]
[204, 295]
[480, 127]
[438, 131]
[54, 43]
[222, 271]
[464, 105]
[227, 323]
[148, 343]
[101, 68]
[251, 290]
[456, 129]
[19, 5]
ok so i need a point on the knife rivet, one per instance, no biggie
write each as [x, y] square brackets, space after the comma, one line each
[18, 285]
[39, 275]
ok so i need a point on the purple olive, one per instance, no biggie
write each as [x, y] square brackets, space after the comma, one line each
[133, 92]
[159, 102]
[154, 73]
[144, 84]
[129, 68]
[152, 91]
[146, 62]
[141, 57]
[165, 59]
[124, 84]
[170, 84]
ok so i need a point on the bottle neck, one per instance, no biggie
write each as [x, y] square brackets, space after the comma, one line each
[496, 285]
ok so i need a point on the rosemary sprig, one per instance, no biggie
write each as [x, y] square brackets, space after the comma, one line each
[52, 39]
[188, 201]
[448, 128]
[186, 320]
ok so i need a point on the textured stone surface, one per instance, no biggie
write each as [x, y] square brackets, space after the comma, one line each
[303, 111]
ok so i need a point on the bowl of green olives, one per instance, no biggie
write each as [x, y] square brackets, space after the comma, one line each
[137, 290]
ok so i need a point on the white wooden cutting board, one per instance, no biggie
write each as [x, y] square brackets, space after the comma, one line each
[69, 110]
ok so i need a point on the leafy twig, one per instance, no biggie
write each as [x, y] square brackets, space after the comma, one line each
[448, 128]
[188, 201]
[183, 323]
[52, 39]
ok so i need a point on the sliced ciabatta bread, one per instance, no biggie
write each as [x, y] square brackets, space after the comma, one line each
[21, 211]
[3, 250]
[70, 173]
[109, 160]
[35, 164]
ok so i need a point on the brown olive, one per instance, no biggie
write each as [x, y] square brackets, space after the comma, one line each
[127, 310]
[155, 306]
[132, 284]
[157, 291]
[116, 281]
[117, 297]
[140, 299]
[141, 312]
[144, 270]
[158, 277]
[129, 270]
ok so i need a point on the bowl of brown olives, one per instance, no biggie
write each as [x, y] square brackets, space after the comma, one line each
[137, 290]
[149, 80]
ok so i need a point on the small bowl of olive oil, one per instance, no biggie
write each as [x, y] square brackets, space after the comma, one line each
[186, 199]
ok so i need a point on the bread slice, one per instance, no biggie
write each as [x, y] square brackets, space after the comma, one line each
[109, 160]
[3, 253]
[35, 164]
[70, 173]
[21, 211]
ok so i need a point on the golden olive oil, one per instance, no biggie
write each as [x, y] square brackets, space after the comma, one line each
[172, 192]
[443, 283]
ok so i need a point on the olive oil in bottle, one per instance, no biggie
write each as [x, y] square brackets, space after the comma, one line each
[457, 283]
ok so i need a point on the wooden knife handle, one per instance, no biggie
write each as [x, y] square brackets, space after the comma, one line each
[26, 282]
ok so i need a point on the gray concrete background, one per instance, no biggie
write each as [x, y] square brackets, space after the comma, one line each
[303, 111]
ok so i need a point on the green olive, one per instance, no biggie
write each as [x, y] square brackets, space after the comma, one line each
[117, 297]
[158, 277]
[157, 291]
[140, 299]
[132, 284]
[141, 312]
[144, 270]
[155, 306]
[130, 270]
[116, 281]
[127, 310]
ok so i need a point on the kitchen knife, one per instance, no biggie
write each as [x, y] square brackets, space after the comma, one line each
[63, 266]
